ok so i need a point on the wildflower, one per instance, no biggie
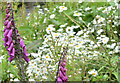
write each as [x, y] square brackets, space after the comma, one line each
[115, 31]
[93, 72]
[77, 14]
[105, 40]
[50, 28]
[62, 72]
[52, 16]
[69, 30]
[80, 1]
[88, 8]
[62, 8]
[10, 34]
[79, 32]
[101, 20]
[94, 21]
[99, 31]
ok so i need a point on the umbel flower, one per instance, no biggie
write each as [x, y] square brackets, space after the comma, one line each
[62, 78]
[12, 39]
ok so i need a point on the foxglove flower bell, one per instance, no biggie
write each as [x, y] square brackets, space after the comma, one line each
[9, 38]
[62, 78]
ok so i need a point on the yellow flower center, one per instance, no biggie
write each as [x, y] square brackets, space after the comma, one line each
[63, 7]
[77, 13]
[100, 19]
[77, 45]
[45, 61]
[46, 38]
[118, 57]
[48, 28]
[14, 65]
[37, 69]
[55, 34]
[93, 73]
[32, 66]
[96, 53]
[79, 41]
[104, 40]
[71, 43]
[38, 80]
[46, 56]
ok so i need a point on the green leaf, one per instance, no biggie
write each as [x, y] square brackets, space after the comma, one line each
[108, 27]
[116, 75]
[101, 68]
[14, 71]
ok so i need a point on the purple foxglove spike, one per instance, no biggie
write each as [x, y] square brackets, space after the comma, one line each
[64, 73]
[17, 31]
[26, 58]
[59, 80]
[10, 33]
[8, 5]
[61, 68]
[25, 51]
[13, 52]
[65, 69]
[9, 41]
[63, 64]
[64, 60]
[6, 11]
[8, 25]
[6, 32]
[22, 43]
[8, 15]
[4, 29]
[6, 18]
[11, 47]
[11, 58]
[9, 53]
[6, 22]
[60, 74]
[4, 45]
[65, 78]
[4, 39]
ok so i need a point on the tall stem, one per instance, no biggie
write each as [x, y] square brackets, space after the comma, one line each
[18, 52]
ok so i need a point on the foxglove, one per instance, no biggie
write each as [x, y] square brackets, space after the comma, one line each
[12, 38]
[62, 78]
